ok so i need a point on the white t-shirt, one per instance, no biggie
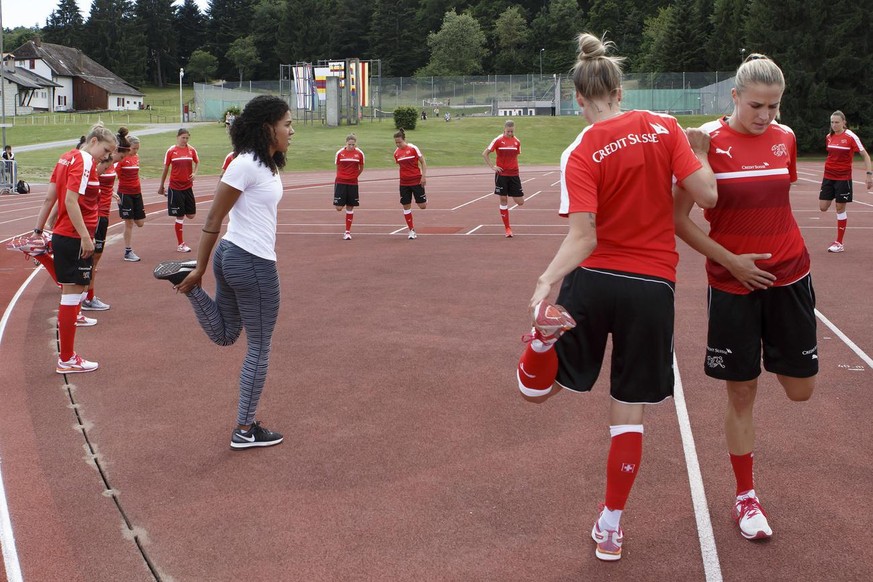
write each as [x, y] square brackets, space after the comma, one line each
[252, 225]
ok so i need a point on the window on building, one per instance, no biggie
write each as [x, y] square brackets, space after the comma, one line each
[62, 100]
[119, 101]
[31, 64]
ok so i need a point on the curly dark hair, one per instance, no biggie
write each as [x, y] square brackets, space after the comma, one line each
[251, 131]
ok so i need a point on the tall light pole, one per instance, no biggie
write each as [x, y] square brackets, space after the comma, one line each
[2, 78]
[181, 115]
[542, 50]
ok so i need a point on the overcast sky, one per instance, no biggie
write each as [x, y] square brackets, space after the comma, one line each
[35, 12]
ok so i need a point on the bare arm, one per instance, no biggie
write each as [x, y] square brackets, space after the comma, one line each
[163, 178]
[869, 169]
[742, 267]
[225, 198]
[701, 184]
[579, 243]
[423, 165]
[194, 170]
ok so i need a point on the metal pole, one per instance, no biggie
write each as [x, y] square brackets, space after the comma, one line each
[542, 50]
[2, 78]
[181, 115]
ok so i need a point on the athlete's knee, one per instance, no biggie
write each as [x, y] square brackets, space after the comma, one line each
[797, 389]
[741, 395]
[520, 200]
[139, 223]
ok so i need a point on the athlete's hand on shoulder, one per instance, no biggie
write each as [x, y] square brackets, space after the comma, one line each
[744, 270]
[192, 280]
[698, 139]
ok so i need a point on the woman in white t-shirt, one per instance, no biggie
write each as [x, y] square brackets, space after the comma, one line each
[246, 278]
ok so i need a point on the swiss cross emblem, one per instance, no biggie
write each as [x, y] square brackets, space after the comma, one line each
[628, 467]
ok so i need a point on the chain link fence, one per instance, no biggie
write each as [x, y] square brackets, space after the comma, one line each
[490, 95]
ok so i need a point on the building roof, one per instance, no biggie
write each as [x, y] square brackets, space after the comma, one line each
[24, 78]
[66, 61]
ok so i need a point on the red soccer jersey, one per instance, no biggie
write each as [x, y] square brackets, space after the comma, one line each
[622, 169]
[90, 202]
[507, 149]
[348, 165]
[128, 175]
[407, 157]
[107, 182]
[227, 160]
[181, 160]
[841, 153]
[71, 173]
[753, 215]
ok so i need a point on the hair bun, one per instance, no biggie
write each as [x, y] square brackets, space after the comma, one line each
[123, 131]
[590, 47]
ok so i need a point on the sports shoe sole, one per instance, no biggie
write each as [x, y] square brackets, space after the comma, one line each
[241, 446]
[174, 271]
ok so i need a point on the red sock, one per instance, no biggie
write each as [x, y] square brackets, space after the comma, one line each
[504, 214]
[622, 466]
[179, 232]
[90, 291]
[67, 329]
[48, 262]
[742, 465]
[537, 370]
[350, 216]
[408, 217]
[841, 229]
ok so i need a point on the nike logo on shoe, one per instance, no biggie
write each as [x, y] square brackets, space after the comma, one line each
[248, 439]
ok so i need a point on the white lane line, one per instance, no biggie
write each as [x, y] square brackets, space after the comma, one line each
[708, 552]
[858, 351]
[7, 538]
[475, 229]
[398, 231]
[472, 201]
[526, 199]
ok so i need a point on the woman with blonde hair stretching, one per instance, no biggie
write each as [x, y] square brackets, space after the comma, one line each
[837, 181]
[760, 300]
[616, 269]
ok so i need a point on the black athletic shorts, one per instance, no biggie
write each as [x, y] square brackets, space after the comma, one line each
[780, 321]
[508, 186]
[181, 202]
[407, 193]
[839, 190]
[345, 195]
[69, 267]
[130, 207]
[100, 234]
[638, 311]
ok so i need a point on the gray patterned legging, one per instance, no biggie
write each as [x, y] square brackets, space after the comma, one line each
[246, 296]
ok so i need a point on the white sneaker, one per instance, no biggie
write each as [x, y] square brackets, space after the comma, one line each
[412, 235]
[75, 365]
[837, 247]
[130, 256]
[183, 248]
[751, 519]
[83, 321]
[94, 305]
[347, 236]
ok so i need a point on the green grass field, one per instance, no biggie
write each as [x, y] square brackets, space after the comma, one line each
[457, 143]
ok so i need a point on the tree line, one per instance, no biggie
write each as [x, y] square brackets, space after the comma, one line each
[824, 47]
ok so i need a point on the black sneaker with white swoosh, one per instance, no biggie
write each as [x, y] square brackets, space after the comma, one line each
[256, 436]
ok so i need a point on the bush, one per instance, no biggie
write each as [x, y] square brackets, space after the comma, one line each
[405, 118]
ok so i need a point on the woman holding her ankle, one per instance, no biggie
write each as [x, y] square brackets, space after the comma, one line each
[616, 268]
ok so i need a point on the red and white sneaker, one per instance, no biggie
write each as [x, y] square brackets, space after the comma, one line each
[608, 541]
[751, 519]
[837, 247]
[183, 248]
[508, 232]
[82, 321]
[31, 245]
[75, 365]
[549, 322]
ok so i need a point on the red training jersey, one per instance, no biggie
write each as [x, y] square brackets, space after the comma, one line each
[507, 149]
[622, 169]
[181, 161]
[407, 158]
[349, 164]
[753, 214]
[71, 173]
[227, 160]
[128, 175]
[90, 202]
[107, 182]
[841, 153]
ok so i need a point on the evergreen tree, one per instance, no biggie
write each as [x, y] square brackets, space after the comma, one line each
[155, 20]
[824, 50]
[728, 38]
[351, 22]
[112, 39]
[623, 23]
[394, 38]
[227, 21]
[676, 43]
[64, 25]
[190, 29]
[267, 30]
[550, 31]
